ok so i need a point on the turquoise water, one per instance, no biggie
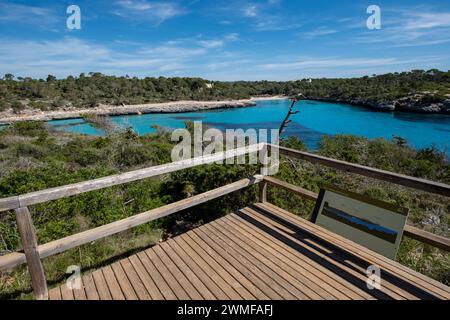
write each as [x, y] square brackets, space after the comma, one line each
[315, 120]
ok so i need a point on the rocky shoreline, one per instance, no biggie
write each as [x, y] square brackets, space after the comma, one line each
[105, 110]
[411, 103]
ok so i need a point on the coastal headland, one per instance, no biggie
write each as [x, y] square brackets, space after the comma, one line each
[108, 110]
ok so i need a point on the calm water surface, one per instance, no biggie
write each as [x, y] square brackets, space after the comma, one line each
[315, 120]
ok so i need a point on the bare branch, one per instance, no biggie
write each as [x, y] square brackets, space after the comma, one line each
[291, 112]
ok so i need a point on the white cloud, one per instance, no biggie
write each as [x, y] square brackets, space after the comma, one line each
[26, 14]
[214, 43]
[427, 20]
[276, 23]
[72, 56]
[232, 37]
[263, 15]
[321, 31]
[186, 57]
[306, 62]
[251, 11]
[409, 28]
[155, 12]
[173, 50]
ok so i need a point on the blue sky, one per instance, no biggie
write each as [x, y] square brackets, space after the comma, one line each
[223, 39]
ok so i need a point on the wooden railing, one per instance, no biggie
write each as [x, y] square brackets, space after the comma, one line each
[33, 253]
[395, 178]
[407, 181]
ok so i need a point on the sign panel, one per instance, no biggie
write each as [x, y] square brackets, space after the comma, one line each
[375, 224]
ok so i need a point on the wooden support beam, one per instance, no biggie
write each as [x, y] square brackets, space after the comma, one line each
[290, 187]
[427, 237]
[30, 248]
[263, 192]
[14, 259]
[410, 231]
[399, 179]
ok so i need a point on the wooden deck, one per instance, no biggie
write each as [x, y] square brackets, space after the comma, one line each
[261, 252]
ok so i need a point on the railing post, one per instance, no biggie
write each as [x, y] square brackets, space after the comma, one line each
[263, 157]
[30, 248]
[263, 192]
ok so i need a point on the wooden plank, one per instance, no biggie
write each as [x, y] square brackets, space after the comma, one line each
[315, 266]
[161, 284]
[214, 273]
[113, 284]
[100, 284]
[124, 283]
[138, 286]
[203, 290]
[202, 275]
[231, 261]
[359, 265]
[217, 274]
[90, 288]
[188, 273]
[399, 179]
[176, 272]
[66, 293]
[404, 272]
[54, 293]
[362, 251]
[73, 241]
[29, 243]
[280, 276]
[293, 238]
[170, 279]
[351, 263]
[410, 231]
[254, 267]
[254, 290]
[295, 279]
[390, 283]
[427, 237]
[146, 279]
[306, 268]
[302, 276]
[238, 291]
[374, 258]
[101, 183]
[80, 294]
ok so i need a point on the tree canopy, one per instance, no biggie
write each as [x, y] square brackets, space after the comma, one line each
[95, 88]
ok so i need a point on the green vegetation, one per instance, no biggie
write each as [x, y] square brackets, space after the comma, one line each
[434, 85]
[35, 157]
[94, 89]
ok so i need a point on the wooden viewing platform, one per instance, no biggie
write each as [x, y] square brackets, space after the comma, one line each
[259, 252]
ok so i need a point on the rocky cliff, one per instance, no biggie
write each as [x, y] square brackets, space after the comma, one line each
[413, 103]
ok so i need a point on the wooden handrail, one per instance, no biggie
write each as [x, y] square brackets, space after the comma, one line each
[399, 179]
[410, 231]
[46, 250]
[427, 237]
[101, 183]
[294, 189]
